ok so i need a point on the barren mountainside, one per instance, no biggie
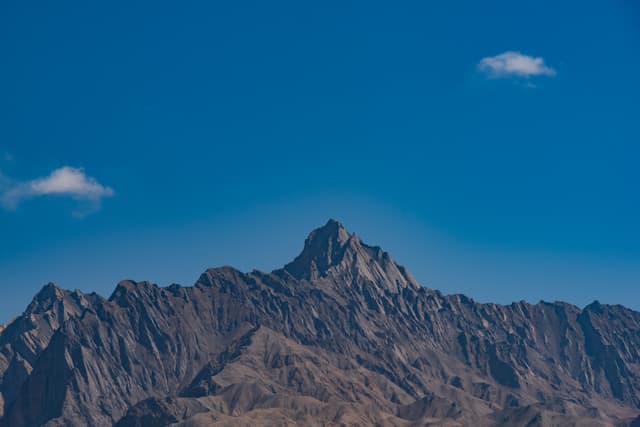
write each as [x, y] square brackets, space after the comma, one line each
[342, 335]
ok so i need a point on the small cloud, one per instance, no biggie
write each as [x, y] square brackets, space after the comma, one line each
[7, 157]
[70, 181]
[66, 181]
[514, 64]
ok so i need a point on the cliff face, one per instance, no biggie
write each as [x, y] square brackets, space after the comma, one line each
[342, 334]
[23, 340]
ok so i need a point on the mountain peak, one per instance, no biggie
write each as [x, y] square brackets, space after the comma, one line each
[331, 249]
[331, 230]
[46, 297]
[323, 249]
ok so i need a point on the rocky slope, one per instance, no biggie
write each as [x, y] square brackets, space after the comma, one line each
[340, 336]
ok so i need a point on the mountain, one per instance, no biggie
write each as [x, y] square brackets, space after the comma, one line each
[342, 335]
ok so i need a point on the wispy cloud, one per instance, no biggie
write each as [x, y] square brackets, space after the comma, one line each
[514, 64]
[66, 182]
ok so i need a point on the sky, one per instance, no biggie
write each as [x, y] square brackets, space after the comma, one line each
[490, 147]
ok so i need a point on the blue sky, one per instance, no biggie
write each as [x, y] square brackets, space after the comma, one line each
[491, 147]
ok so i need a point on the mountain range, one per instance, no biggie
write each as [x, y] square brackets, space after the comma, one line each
[342, 335]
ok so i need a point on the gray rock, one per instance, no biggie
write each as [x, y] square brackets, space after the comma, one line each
[342, 334]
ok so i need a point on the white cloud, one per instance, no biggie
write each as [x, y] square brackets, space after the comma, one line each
[70, 181]
[514, 64]
[66, 181]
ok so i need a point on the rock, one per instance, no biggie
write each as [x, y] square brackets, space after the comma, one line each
[342, 334]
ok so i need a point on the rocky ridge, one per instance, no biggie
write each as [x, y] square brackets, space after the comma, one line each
[342, 335]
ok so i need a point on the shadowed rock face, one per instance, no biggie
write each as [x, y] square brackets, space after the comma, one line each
[340, 335]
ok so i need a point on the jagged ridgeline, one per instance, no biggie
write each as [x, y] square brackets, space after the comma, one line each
[340, 336]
